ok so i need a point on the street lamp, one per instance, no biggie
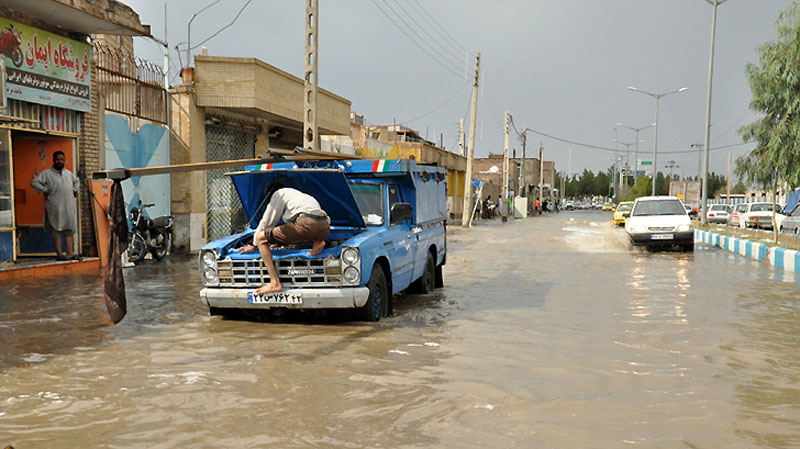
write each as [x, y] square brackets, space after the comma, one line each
[703, 205]
[655, 138]
[636, 154]
[627, 151]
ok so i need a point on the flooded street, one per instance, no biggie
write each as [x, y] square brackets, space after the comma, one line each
[549, 332]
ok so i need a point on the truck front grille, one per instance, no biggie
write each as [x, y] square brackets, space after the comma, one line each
[292, 273]
[661, 229]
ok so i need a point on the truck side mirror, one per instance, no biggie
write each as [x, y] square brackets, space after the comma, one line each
[400, 212]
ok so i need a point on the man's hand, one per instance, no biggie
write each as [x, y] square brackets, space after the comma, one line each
[247, 248]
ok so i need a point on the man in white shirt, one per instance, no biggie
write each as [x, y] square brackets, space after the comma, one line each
[59, 187]
[304, 220]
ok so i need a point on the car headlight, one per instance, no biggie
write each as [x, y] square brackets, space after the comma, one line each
[210, 276]
[351, 275]
[684, 228]
[637, 229]
[350, 256]
[208, 257]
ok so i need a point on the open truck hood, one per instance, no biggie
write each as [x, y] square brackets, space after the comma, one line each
[329, 187]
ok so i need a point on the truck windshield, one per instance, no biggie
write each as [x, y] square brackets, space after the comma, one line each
[369, 197]
[658, 207]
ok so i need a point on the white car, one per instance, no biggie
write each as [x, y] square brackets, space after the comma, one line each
[718, 213]
[759, 215]
[658, 222]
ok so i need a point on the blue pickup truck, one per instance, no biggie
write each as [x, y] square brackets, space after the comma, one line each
[388, 223]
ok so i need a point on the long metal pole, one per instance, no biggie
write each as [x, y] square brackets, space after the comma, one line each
[703, 205]
[310, 86]
[541, 174]
[522, 183]
[504, 202]
[729, 178]
[471, 146]
[655, 147]
[636, 158]
[461, 136]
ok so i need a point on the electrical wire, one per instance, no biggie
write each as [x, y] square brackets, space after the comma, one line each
[437, 107]
[452, 40]
[402, 30]
[223, 28]
[446, 51]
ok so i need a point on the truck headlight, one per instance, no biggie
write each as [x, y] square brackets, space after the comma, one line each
[208, 257]
[210, 276]
[637, 229]
[351, 275]
[684, 228]
[350, 256]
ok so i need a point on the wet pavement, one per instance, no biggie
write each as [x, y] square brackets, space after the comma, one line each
[549, 332]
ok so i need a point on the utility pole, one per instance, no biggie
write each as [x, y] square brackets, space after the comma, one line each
[728, 200]
[467, 212]
[699, 147]
[541, 174]
[504, 201]
[310, 137]
[522, 183]
[703, 205]
[461, 136]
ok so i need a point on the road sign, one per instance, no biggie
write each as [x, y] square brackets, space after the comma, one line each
[646, 162]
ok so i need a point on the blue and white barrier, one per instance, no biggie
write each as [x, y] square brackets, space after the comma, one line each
[786, 259]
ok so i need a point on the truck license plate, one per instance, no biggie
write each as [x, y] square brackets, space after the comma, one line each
[287, 297]
[662, 237]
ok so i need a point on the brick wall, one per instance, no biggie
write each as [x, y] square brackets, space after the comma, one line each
[89, 153]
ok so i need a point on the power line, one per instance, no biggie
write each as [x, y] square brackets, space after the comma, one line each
[425, 30]
[220, 30]
[456, 45]
[438, 107]
[441, 63]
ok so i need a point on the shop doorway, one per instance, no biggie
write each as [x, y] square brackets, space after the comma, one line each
[33, 154]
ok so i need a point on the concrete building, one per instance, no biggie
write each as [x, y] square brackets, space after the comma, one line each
[490, 171]
[53, 93]
[233, 108]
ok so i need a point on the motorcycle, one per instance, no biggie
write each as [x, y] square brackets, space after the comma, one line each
[10, 41]
[152, 235]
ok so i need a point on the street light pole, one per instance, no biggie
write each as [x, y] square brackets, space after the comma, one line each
[657, 96]
[703, 205]
[627, 151]
[636, 153]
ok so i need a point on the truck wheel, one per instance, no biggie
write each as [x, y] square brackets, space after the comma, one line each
[378, 301]
[427, 282]
[439, 278]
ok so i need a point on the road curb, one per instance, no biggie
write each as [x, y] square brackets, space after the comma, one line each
[786, 259]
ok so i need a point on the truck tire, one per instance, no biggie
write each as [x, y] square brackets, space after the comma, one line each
[378, 301]
[439, 277]
[427, 282]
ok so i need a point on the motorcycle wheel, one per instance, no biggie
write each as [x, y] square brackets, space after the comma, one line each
[137, 248]
[159, 252]
[16, 58]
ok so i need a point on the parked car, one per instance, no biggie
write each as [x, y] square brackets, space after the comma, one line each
[690, 211]
[735, 216]
[758, 215]
[718, 213]
[608, 206]
[791, 224]
[623, 212]
[658, 222]
[569, 205]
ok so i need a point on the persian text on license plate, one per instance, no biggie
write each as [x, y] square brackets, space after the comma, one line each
[662, 237]
[287, 297]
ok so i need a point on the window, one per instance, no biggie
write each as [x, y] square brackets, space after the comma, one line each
[369, 198]
[658, 207]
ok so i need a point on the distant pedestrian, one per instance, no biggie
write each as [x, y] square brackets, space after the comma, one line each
[536, 206]
[556, 205]
[60, 188]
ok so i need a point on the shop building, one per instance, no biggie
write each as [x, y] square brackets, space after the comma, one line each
[52, 104]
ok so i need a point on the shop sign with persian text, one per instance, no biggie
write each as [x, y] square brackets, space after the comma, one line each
[45, 68]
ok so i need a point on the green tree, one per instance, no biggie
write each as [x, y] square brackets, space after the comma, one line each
[775, 85]
[643, 187]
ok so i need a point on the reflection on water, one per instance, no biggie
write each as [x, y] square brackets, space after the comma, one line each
[550, 332]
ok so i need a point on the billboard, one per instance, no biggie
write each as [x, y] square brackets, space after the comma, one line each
[45, 68]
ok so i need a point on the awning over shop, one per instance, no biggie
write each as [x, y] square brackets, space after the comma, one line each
[95, 17]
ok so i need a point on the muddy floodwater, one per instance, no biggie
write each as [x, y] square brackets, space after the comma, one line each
[549, 333]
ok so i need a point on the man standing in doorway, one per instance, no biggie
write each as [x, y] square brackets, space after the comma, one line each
[60, 188]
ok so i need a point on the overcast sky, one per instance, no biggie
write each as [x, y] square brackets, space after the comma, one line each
[562, 67]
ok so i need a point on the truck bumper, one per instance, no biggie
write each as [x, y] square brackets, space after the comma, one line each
[313, 298]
